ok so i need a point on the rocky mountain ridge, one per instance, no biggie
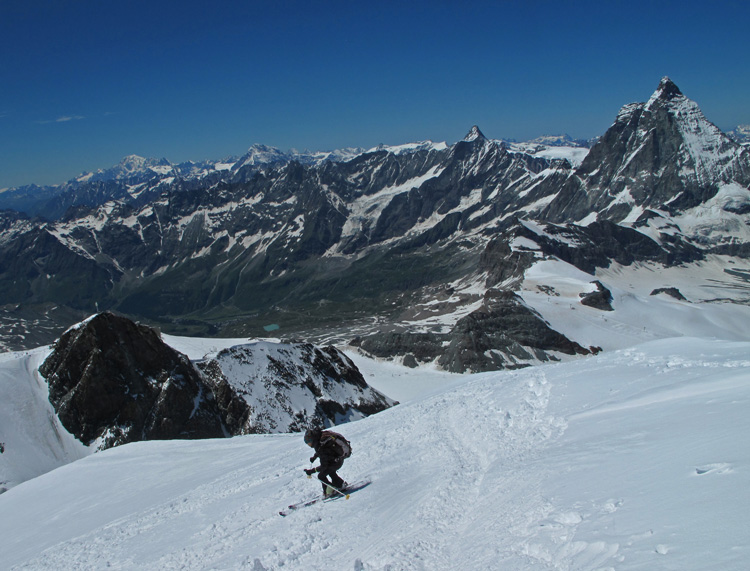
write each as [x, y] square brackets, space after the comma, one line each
[394, 243]
[135, 176]
[112, 381]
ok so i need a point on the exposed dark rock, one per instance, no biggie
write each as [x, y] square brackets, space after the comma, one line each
[410, 361]
[599, 299]
[601, 243]
[503, 334]
[672, 291]
[424, 347]
[234, 411]
[112, 381]
[501, 262]
[586, 247]
[116, 381]
[739, 250]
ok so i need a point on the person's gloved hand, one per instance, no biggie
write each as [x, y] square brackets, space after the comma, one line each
[310, 472]
[313, 458]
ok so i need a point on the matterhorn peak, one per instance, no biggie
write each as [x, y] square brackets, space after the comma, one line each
[474, 134]
[668, 88]
[666, 91]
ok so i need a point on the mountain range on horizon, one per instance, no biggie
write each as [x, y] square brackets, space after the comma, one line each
[165, 335]
[31, 199]
[138, 166]
[258, 153]
[418, 252]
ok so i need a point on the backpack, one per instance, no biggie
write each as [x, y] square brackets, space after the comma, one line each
[344, 445]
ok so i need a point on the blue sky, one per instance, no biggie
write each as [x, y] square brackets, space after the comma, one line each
[84, 83]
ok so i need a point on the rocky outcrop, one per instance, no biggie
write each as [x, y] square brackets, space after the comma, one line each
[504, 264]
[586, 247]
[599, 299]
[113, 381]
[502, 334]
[670, 291]
[269, 387]
[414, 347]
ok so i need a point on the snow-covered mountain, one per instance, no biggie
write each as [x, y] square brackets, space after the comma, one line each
[411, 249]
[263, 155]
[741, 134]
[130, 167]
[662, 156]
[135, 176]
[633, 459]
[278, 387]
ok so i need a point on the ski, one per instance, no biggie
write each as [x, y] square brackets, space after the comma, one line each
[341, 494]
[300, 505]
[293, 507]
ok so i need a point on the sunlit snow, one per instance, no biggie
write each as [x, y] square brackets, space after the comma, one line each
[634, 459]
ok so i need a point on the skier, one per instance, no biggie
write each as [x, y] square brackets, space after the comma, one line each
[332, 449]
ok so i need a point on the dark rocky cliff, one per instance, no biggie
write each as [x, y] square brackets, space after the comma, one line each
[114, 381]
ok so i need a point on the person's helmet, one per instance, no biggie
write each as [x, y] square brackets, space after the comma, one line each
[312, 436]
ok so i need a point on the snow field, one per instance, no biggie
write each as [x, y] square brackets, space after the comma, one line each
[638, 316]
[33, 439]
[636, 459]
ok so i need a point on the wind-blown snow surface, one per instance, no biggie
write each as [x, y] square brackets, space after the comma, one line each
[634, 459]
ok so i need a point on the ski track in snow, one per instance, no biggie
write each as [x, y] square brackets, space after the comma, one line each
[463, 460]
[575, 466]
[442, 519]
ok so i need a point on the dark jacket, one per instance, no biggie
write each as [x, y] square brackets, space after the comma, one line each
[328, 451]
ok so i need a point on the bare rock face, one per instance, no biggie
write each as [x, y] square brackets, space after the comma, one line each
[670, 291]
[599, 299]
[113, 381]
[501, 334]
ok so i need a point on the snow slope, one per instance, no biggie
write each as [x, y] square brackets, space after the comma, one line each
[638, 316]
[32, 438]
[634, 459]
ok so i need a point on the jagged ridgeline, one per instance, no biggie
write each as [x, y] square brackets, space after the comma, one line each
[112, 381]
[408, 249]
